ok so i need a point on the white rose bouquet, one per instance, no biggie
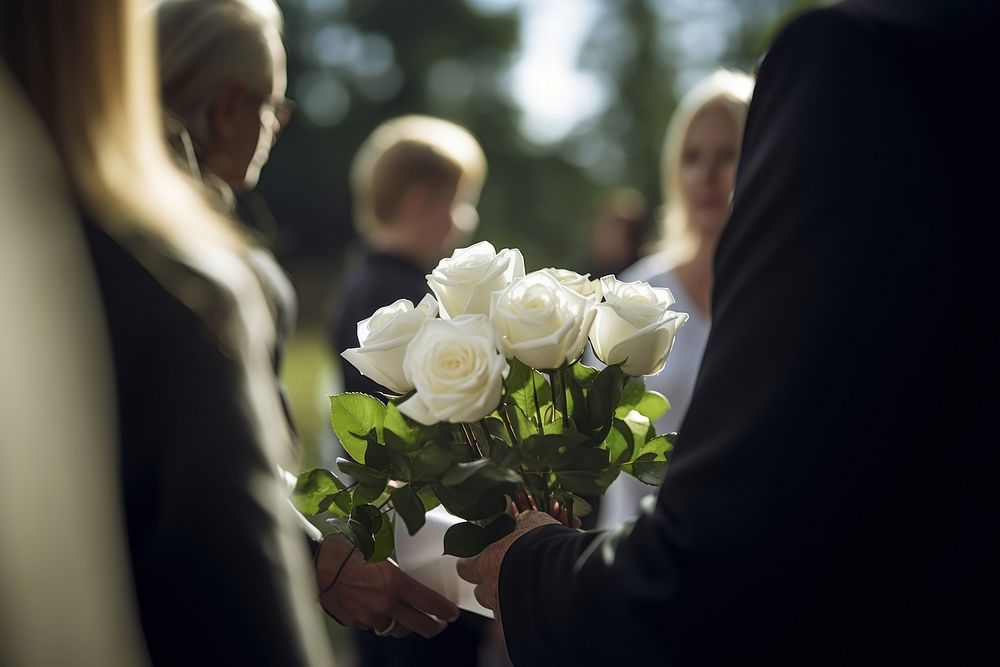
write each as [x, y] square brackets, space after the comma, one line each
[486, 401]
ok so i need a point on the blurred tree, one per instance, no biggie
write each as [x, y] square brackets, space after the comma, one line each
[354, 63]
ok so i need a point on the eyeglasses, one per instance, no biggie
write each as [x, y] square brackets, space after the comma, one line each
[276, 113]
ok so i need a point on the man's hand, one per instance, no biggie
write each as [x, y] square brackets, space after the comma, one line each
[484, 570]
[379, 596]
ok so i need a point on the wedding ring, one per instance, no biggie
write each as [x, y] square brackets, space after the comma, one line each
[383, 633]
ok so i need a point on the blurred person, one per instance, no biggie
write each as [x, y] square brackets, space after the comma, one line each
[219, 569]
[223, 82]
[831, 498]
[618, 231]
[698, 168]
[415, 182]
[58, 446]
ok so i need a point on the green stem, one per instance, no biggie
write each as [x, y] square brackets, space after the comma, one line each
[472, 440]
[486, 432]
[538, 408]
[559, 394]
[505, 417]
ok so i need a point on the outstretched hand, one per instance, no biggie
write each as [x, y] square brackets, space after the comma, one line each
[484, 570]
[377, 596]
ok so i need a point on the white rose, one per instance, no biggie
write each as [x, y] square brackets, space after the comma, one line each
[635, 325]
[541, 322]
[464, 282]
[457, 370]
[581, 284]
[384, 338]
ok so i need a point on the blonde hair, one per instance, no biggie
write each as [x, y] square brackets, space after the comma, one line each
[724, 89]
[206, 44]
[412, 150]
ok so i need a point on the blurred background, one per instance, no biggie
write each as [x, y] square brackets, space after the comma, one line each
[569, 99]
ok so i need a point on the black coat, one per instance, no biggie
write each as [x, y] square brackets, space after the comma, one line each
[219, 567]
[832, 497]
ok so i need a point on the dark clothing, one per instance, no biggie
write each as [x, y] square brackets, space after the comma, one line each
[831, 499]
[369, 282]
[209, 545]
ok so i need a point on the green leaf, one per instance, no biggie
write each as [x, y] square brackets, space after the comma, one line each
[378, 457]
[583, 375]
[544, 450]
[405, 433]
[356, 533]
[378, 526]
[555, 426]
[632, 393]
[576, 401]
[522, 425]
[650, 465]
[427, 497]
[581, 470]
[661, 447]
[343, 504]
[314, 491]
[652, 405]
[602, 399]
[496, 428]
[368, 492]
[484, 473]
[361, 473]
[528, 389]
[432, 460]
[466, 540]
[650, 472]
[620, 442]
[353, 417]
[385, 541]
[469, 504]
[409, 506]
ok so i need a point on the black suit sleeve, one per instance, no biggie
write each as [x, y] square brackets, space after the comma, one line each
[809, 394]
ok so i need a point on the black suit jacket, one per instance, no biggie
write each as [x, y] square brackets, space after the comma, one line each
[219, 568]
[832, 496]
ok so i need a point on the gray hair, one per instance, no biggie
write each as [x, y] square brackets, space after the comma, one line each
[206, 44]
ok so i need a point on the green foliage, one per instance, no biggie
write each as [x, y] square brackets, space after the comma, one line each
[467, 539]
[552, 444]
[314, 491]
[357, 420]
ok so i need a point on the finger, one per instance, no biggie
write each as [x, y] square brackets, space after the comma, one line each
[522, 501]
[367, 620]
[428, 601]
[337, 612]
[468, 569]
[485, 598]
[511, 510]
[418, 621]
[399, 631]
